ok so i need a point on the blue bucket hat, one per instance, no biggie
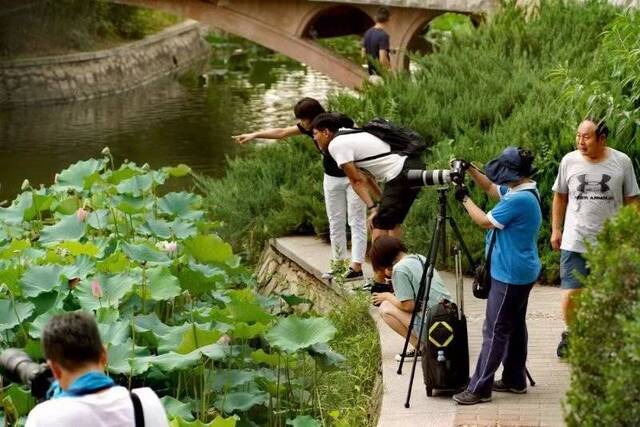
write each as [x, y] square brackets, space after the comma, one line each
[512, 164]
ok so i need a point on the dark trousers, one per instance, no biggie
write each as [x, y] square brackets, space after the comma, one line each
[504, 338]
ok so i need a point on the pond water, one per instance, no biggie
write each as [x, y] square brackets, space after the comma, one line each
[169, 122]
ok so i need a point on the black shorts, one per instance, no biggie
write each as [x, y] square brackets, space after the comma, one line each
[397, 198]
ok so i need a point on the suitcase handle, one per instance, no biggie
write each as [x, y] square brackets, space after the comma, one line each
[459, 283]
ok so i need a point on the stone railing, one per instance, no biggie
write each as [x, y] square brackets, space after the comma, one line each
[93, 74]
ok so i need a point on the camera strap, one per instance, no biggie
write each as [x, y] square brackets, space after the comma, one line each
[138, 415]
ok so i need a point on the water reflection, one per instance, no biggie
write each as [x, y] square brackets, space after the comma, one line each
[166, 123]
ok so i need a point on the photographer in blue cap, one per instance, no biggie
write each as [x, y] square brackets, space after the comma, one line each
[514, 223]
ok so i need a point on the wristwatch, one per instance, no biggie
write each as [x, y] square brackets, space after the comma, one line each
[375, 205]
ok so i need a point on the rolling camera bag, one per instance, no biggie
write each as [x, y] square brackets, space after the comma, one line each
[445, 351]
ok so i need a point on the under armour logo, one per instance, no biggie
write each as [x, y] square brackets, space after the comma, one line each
[591, 185]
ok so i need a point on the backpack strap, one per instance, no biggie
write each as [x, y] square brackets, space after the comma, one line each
[375, 156]
[138, 415]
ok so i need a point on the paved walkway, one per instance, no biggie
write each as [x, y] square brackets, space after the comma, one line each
[541, 406]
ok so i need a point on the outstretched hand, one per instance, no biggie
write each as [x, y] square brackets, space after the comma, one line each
[243, 139]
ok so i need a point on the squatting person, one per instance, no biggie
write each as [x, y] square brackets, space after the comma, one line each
[342, 203]
[593, 182]
[389, 256]
[83, 395]
[514, 267]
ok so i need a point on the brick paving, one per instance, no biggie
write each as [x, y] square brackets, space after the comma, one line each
[540, 406]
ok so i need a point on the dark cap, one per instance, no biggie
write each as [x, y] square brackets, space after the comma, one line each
[512, 164]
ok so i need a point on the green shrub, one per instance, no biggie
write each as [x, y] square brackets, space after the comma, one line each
[604, 355]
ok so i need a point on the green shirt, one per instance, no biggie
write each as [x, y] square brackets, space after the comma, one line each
[406, 280]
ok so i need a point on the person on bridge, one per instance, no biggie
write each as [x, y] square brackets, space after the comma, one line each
[375, 45]
[593, 182]
[342, 203]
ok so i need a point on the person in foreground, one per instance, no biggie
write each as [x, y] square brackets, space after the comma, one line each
[342, 203]
[514, 268]
[389, 255]
[83, 395]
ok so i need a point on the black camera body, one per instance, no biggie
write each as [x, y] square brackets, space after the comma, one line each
[422, 177]
[17, 367]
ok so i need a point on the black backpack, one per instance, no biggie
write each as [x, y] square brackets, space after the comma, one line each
[402, 140]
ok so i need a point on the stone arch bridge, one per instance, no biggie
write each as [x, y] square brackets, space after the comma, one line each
[291, 27]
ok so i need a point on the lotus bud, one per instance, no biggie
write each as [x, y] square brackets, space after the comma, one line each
[146, 167]
[106, 152]
[224, 340]
[96, 289]
[25, 185]
[81, 214]
[56, 177]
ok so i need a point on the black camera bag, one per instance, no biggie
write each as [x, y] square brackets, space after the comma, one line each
[482, 276]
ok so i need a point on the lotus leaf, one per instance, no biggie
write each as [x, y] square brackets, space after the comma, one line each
[40, 203]
[68, 228]
[162, 284]
[172, 361]
[294, 300]
[327, 357]
[14, 214]
[80, 269]
[181, 205]
[76, 248]
[130, 205]
[10, 276]
[122, 361]
[215, 351]
[99, 219]
[249, 312]
[114, 288]
[303, 421]
[19, 398]
[114, 333]
[67, 206]
[242, 330]
[144, 252]
[12, 315]
[217, 422]
[195, 337]
[41, 278]
[208, 249]
[37, 326]
[126, 171]
[176, 408]
[73, 177]
[259, 356]
[136, 185]
[156, 227]
[159, 335]
[293, 333]
[240, 401]
[117, 262]
[229, 379]
[178, 171]
[48, 301]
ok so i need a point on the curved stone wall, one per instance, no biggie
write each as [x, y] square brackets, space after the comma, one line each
[89, 75]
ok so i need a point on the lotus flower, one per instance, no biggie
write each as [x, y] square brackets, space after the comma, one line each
[81, 214]
[96, 289]
[170, 247]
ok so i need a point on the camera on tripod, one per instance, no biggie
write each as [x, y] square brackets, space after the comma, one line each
[423, 177]
[18, 367]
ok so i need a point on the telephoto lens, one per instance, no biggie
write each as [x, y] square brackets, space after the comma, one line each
[18, 367]
[422, 177]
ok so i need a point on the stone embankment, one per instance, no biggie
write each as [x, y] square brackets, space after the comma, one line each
[94, 74]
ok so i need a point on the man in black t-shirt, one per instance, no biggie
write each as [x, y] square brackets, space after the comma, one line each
[375, 45]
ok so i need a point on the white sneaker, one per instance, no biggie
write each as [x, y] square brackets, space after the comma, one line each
[327, 275]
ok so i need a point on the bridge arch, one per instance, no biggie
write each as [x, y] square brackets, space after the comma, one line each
[334, 21]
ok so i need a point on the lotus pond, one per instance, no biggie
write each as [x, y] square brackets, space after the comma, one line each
[176, 308]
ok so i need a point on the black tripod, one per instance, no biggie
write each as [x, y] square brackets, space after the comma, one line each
[438, 241]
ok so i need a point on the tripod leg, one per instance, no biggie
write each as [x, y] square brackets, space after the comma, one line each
[419, 297]
[439, 234]
[463, 245]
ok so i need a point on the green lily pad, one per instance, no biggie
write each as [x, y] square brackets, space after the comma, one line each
[125, 172]
[172, 361]
[68, 228]
[67, 206]
[156, 227]
[228, 379]
[293, 333]
[303, 421]
[144, 252]
[259, 356]
[325, 356]
[114, 333]
[176, 408]
[19, 399]
[41, 278]
[40, 203]
[12, 315]
[240, 401]
[76, 248]
[181, 205]
[195, 337]
[37, 326]
[10, 276]
[14, 214]
[136, 185]
[117, 262]
[208, 249]
[73, 177]
[162, 284]
[215, 351]
[242, 330]
[48, 301]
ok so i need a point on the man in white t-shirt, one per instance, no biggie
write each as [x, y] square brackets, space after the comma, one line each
[368, 160]
[592, 183]
[82, 394]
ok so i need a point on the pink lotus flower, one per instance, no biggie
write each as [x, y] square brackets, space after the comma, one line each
[96, 289]
[81, 214]
[170, 247]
